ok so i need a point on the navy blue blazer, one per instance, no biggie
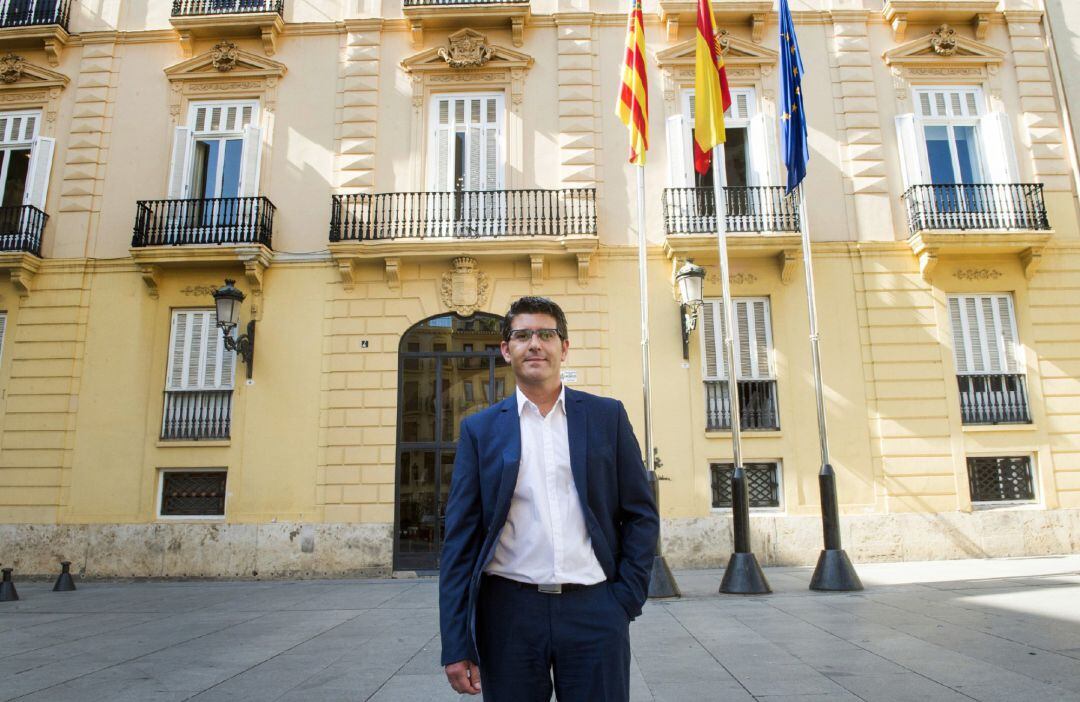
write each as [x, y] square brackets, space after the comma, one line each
[616, 499]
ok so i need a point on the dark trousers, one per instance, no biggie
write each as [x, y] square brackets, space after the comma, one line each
[526, 638]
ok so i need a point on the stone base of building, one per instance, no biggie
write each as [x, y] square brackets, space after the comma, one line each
[294, 550]
[778, 539]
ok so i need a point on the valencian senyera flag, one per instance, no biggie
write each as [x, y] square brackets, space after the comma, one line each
[711, 94]
[793, 117]
[633, 105]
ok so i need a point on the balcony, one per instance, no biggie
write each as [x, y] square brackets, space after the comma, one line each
[537, 223]
[21, 227]
[993, 399]
[975, 219]
[451, 14]
[196, 415]
[183, 233]
[757, 405]
[196, 19]
[35, 24]
[762, 222]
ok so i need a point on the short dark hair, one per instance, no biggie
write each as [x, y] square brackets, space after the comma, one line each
[531, 304]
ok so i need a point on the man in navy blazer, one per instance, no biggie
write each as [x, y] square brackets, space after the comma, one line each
[550, 531]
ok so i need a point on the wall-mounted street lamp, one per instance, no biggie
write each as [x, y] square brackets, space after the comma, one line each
[689, 278]
[228, 300]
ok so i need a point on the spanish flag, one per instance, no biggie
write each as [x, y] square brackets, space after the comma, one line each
[633, 105]
[711, 94]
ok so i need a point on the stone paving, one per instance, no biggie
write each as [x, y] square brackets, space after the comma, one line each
[1004, 629]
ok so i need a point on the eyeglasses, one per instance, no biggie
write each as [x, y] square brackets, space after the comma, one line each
[524, 336]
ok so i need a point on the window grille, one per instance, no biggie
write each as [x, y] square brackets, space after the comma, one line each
[762, 484]
[193, 493]
[1001, 479]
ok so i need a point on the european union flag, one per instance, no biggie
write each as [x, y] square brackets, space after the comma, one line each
[793, 117]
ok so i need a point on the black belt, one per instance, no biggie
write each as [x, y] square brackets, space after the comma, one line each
[553, 589]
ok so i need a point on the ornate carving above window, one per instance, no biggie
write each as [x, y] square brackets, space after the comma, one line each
[226, 71]
[944, 55]
[468, 61]
[25, 84]
[746, 63]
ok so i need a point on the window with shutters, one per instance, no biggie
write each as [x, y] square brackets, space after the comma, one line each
[989, 359]
[756, 382]
[192, 493]
[1001, 479]
[745, 151]
[762, 484]
[3, 328]
[466, 149]
[25, 158]
[950, 128]
[217, 154]
[199, 381]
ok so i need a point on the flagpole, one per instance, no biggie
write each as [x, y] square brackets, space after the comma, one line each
[834, 570]
[743, 575]
[661, 581]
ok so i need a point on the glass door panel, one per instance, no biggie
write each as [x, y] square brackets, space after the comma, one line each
[418, 516]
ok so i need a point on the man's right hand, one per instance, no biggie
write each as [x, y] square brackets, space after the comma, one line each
[464, 677]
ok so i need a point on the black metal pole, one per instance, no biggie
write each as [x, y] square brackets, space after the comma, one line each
[661, 581]
[743, 575]
[834, 571]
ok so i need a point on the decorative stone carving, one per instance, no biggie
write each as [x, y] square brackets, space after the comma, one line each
[11, 68]
[224, 56]
[943, 40]
[464, 288]
[468, 49]
[977, 274]
[734, 278]
[198, 290]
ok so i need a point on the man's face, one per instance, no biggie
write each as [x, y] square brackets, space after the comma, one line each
[535, 362]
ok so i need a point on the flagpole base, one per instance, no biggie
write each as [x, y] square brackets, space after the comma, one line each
[743, 576]
[834, 573]
[662, 583]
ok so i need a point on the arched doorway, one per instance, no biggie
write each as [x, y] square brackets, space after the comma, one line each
[449, 367]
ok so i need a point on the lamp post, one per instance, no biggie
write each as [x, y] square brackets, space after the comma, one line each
[227, 301]
[689, 279]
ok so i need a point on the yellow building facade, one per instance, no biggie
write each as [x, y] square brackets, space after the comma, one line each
[383, 178]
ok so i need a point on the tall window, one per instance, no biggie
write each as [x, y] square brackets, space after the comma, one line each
[25, 159]
[467, 149]
[988, 359]
[746, 151]
[199, 381]
[3, 328]
[753, 364]
[216, 155]
[952, 139]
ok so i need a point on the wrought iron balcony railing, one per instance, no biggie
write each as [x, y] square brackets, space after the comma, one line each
[757, 405]
[189, 8]
[982, 206]
[468, 214]
[30, 13]
[21, 227]
[751, 209]
[993, 399]
[226, 220]
[197, 414]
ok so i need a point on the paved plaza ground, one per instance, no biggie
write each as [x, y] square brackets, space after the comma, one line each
[1004, 629]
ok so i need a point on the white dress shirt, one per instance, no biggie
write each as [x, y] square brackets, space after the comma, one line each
[544, 540]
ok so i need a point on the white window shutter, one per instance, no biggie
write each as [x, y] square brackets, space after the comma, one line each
[1011, 353]
[3, 328]
[178, 350]
[250, 161]
[212, 353]
[441, 155]
[198, 359]
[179, 168]
[677, 152]
[492, 178]
[196, 350]
[760, 156]
[712, 341]
[37, 177]
[998, 148]
[227, 359]
[744, 340]
[961, 341]
[909, 140]
[762, 339]
[984, 334]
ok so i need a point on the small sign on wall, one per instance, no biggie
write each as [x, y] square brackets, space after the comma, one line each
[568, 376]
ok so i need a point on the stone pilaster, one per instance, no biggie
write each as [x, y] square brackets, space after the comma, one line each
[579, 121]
[857, 104]
[358, 112]
[1038, 103]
